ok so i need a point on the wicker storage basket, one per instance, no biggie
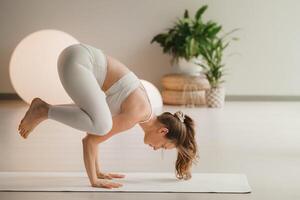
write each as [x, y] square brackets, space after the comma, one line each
[172, 97]
[181, 82]
[182, 89]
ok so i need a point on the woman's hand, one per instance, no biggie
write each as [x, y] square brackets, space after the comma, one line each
[101, 183]
[102, 175]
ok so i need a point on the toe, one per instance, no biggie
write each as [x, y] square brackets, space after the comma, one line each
[22, 132]
[25, 134]
[21, 127]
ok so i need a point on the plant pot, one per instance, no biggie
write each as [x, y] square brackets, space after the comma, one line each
[215, 97]
[188, 67]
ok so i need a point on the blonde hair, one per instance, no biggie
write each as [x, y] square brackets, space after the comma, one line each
[182, 133]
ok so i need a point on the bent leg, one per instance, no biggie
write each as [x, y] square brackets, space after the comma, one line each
[90, 113]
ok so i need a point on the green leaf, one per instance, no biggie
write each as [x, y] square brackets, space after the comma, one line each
[214, 31]
[186, 14]
[226, 45]
[160, 38]
[200, 12]
[193, 47]
[207, 27]
[230, 32]
[203, 66]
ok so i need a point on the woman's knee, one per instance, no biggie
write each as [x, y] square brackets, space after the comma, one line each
[103, 127]
[73, 55]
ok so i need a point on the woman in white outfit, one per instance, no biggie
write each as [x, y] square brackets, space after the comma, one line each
[109, 99]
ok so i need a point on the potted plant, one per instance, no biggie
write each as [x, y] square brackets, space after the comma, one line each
[184, 39]
[213, 66]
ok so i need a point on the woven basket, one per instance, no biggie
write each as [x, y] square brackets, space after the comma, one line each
[189, 98]
[183, 82]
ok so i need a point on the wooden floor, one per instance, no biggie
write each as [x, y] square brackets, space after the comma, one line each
[260, 139]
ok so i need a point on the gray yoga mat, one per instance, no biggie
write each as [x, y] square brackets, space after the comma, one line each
[133, 182]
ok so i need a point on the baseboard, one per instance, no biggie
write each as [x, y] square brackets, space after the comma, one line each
[14, 96]
[9, 96]
[261, 98]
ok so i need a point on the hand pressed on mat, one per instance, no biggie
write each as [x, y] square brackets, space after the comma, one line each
[102, 183]
[102, 175]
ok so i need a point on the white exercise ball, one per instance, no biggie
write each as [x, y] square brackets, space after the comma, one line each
[33, 66]
[154, 96]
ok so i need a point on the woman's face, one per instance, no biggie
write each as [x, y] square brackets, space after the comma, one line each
[156, 138]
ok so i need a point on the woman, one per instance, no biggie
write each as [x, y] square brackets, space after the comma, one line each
[109, 99]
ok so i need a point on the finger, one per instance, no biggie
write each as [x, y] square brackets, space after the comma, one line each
[103, 176]
[115, 185]
[100, 175]
[110, 185]
[107, 176]
[117, 175]
[118, 184]
[106, 186]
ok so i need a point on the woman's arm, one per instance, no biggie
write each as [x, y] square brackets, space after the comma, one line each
[121, 122]
[89, 155]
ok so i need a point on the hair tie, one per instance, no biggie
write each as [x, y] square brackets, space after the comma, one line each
[179, 114]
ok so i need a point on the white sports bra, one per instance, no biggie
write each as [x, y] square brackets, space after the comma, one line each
[151, 112]
[119, 91]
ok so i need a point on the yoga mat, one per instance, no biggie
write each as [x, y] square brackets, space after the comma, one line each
[133, 182]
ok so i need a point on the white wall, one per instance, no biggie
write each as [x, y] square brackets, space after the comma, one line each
[267, 62]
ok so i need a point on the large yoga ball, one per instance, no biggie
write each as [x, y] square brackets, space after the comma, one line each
[33, 66]
[154, 96]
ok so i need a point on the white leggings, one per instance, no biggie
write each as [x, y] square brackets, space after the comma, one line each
[82, 75]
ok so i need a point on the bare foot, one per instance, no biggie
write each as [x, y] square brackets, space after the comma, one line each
[36, 113]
